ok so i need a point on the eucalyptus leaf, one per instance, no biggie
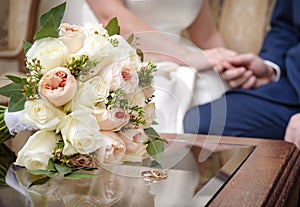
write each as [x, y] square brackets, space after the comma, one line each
[17, 102]
[155, 149]
[62, 169]
[16, 79]
[40, 181]
[11, 88]
[49, 29]
[78, 175]
[113, 27]
[150, 132]
[130, 39]
[26, 46]
[51, 165]
[57, 14]
[42, 172]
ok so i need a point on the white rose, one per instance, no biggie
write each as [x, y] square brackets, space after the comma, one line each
[80, 133]
[123, 50]
[95, 47]
[50, 51]
[98, 49]
[37, 151]
[58, 86]
[115, 148]
[95, 29]
[89, 93]
[72, 36]
[113, 119]
[41, 114]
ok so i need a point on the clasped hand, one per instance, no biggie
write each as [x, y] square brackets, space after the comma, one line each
[240, 70]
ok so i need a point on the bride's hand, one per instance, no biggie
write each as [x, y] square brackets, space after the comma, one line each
[239, 77]
[219, 57]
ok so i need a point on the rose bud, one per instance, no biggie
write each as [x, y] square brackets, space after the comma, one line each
[72, 36]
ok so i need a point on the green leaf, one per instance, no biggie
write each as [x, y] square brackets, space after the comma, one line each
[155, 149]
[16, 79]
[17, 102]
[26, 46]
[62, 169]
[51, 165]
[42, 172]
[50, 22]
[78, 175]
[11, 88]
[150, 132]
[56, 13]
[49, 29]
[40, 181]
[113, 27]
[130, 39]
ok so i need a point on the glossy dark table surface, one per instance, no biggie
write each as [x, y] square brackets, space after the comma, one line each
[214, 171]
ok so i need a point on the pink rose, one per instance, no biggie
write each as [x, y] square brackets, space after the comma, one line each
[125, 76]
[58, 86]
[113, 119]
[133, 139]
[72, 36]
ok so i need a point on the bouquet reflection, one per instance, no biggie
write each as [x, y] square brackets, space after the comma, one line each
[108, 189]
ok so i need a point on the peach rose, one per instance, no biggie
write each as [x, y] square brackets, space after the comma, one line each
[125, 76]
[115, 148]
[72, 36]
[58, 86]
[134, 139]
[113, 119]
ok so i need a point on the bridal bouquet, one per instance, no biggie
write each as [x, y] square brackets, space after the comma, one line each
[87, 96]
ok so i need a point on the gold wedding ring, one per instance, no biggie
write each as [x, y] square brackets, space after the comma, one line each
[154, 176]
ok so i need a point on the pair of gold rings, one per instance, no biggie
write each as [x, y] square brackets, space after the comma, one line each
[154, 176]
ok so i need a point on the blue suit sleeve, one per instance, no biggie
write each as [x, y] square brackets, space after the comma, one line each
[282, 36]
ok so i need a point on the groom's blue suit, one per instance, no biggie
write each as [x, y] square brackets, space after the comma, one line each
[263, 112]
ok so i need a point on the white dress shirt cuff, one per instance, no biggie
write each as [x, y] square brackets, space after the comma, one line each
[275, 67]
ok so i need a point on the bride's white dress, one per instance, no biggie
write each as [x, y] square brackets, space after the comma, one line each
[177, 87]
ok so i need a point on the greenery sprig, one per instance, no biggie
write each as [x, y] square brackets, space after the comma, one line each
[33, 77]
[136, 116]
[146, 75]
[114, 41]
[81, 65]
[115, 99]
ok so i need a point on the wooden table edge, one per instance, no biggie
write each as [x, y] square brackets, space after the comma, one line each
[267, 185]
